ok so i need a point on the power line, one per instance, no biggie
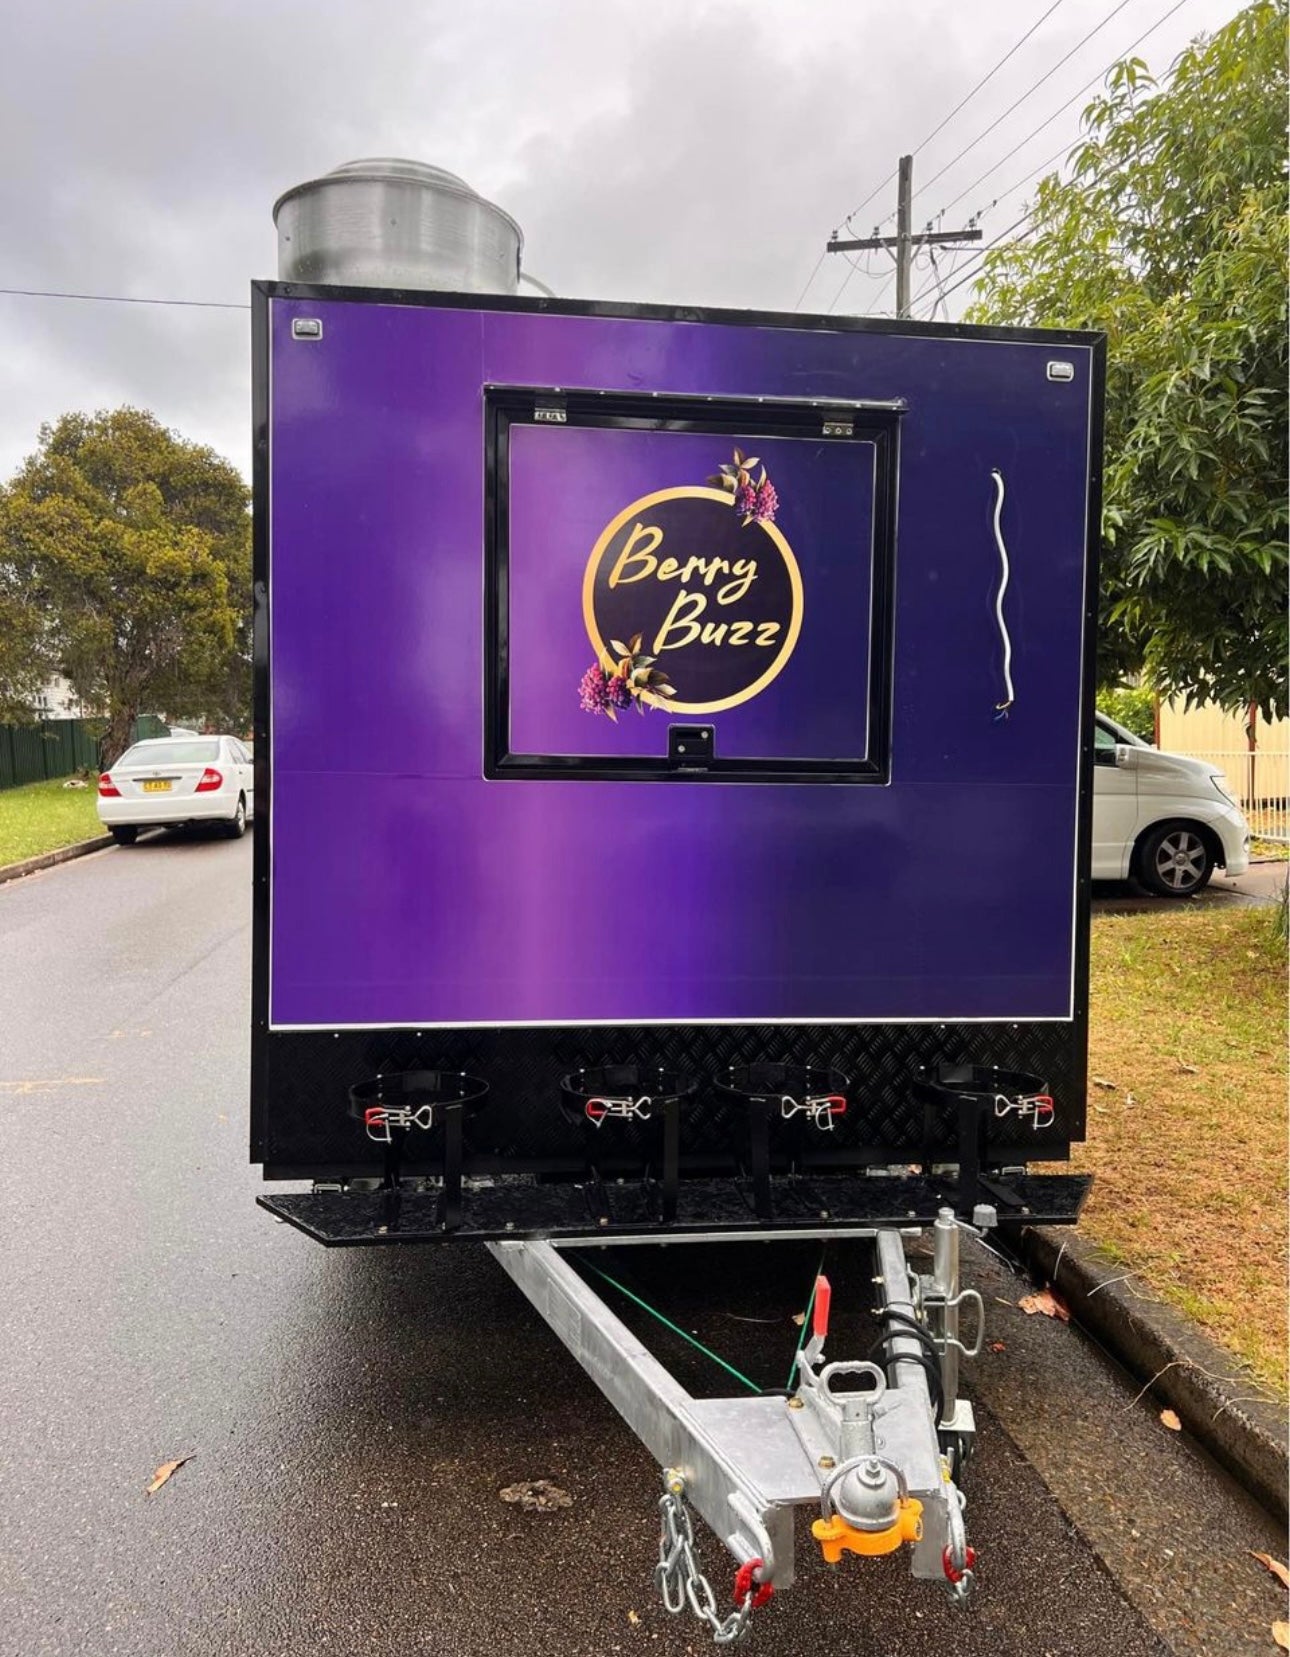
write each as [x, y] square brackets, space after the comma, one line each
[1030, 92]
[806, 285]
[1132, 47]
[972, 94]
[124, 299]
[962, 104]
[976, 261]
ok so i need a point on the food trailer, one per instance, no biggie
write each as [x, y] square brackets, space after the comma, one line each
[673, 743]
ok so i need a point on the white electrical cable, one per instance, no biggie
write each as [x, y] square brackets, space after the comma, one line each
[1010, 696]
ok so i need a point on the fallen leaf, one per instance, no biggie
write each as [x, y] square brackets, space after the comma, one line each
[799, 1318]
[537, 1496]
[1278, 1570]
[1129, 1099]
[997, 1346]
[1169, 1419]
[1047, 1301]
[1281, 1634]
[1101, 1081]
[166, 1471]
[633, 1618]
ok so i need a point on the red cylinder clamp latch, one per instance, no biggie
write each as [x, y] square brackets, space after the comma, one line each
[744, 1585]
[823, 1299]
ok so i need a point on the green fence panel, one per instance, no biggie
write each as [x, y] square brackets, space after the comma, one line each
[53, 748]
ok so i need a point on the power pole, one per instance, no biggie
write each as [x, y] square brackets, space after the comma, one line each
[904, 249]
[903, 243]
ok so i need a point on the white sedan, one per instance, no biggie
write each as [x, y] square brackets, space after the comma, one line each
[169, 780]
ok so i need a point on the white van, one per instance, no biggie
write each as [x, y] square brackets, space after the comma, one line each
[1162, 818]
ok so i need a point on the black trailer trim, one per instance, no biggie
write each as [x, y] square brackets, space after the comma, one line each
[516, 1208]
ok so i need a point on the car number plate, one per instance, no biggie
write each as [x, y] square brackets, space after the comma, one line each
[157, 787]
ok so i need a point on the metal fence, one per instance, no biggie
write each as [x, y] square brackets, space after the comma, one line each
[57, 747]
[1260, 780]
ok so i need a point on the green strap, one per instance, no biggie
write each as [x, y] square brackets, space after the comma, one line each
[676, 1330]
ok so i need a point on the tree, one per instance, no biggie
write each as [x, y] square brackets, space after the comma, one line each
[1170, 235]
[134, 546]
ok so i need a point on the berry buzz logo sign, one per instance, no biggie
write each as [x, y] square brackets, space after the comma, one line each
[657, 581]
[691, 631]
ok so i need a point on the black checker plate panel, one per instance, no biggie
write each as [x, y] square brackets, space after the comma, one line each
[519, 1208]
[307, 1132]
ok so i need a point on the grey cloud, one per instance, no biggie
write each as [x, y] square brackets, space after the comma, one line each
[682, 152]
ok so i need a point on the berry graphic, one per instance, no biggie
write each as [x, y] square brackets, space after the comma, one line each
[754, 498]
[593, 690]
[618, 693]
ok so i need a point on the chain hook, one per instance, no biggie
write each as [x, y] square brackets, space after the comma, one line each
[682, 1583]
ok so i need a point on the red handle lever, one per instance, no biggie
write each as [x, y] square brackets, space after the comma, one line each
[823, 1298]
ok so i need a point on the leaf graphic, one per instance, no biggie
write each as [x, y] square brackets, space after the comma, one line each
[617, 648]
[612, 714]
[751, 461]
[645, 661]
[635, 645]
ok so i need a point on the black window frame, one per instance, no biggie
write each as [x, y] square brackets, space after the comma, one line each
[841, 421]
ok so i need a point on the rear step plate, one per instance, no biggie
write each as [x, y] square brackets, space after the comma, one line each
[518, 1207]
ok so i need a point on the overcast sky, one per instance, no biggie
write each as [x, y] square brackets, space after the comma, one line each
[668, 150]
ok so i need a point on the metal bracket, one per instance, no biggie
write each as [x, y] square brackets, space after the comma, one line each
[749, 1508]
[839, 426]
[552, 412]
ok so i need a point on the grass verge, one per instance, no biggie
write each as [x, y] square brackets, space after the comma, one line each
[1187, 1118]
[42, 816]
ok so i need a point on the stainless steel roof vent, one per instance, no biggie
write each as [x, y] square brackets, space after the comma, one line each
[388, 223]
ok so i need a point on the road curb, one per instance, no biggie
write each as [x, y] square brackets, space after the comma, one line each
[47, 860]
[1185, 1369]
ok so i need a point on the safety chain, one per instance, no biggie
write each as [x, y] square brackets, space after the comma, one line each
[681, 1582]
[958, 1558]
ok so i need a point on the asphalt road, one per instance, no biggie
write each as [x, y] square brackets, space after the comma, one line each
[1262, 883]
[352, 1416]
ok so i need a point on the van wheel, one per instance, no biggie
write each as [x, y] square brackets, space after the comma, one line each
[1174, 861]
[124, 836]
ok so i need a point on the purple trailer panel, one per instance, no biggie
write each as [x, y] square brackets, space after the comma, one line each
[410, 888]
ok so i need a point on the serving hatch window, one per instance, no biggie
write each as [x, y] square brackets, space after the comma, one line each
[706, 596]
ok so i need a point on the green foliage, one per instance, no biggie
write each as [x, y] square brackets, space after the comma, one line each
[1171, 236]
[133, 546]
[1134, 709]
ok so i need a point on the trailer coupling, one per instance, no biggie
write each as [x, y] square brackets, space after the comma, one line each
[875, 1445]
